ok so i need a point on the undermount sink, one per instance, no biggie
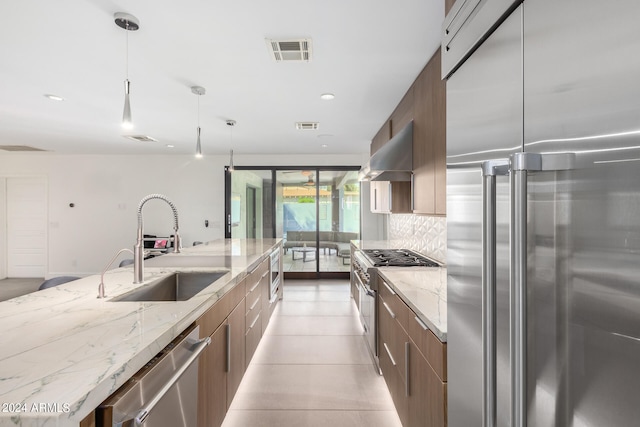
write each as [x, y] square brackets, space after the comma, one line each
[179, 286]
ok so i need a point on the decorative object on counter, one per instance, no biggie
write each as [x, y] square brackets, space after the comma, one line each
[101, 293]
[138, 261]
[231, 124]
[55, 281]
[128, 23]
[198, 90]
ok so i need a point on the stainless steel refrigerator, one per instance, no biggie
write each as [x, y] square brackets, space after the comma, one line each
[543, 212]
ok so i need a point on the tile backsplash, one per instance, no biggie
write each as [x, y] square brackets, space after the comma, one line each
[422, 233]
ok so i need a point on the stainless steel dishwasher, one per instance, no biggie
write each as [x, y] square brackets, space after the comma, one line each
[161, 394]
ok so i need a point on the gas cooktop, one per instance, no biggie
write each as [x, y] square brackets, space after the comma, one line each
[397, 258]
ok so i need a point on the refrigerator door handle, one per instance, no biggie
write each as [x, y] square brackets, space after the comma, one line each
[490, 170]
[521, 165]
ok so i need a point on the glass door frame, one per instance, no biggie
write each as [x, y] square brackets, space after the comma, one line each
[274, 169]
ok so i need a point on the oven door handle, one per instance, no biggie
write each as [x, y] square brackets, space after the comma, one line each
[144, 412]
[370, 292]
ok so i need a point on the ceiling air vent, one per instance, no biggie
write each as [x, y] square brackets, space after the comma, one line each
[307, 125]
[19, 148]
[290, 50]
[141, 138]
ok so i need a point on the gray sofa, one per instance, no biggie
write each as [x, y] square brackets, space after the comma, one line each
[332, 240]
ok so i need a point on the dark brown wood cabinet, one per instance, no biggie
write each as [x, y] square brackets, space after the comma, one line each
[413, 362]
[381, 138]
[254, 316]
[429, 140]
[425, 104]
[216, 381]
[403, 113]
[236, 345]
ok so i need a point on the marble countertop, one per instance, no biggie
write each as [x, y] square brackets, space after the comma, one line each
[423, 289]
[63, 351]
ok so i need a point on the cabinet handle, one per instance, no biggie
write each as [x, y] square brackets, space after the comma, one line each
[407, 391]
[388, 288]
[265, 274]
[390, 197]
[413, 186]
[254, 287]
[254, 304]
[254, 322]
[375, 199]
[228, 348]
[422, 324]
[393, 362]
[393, 315]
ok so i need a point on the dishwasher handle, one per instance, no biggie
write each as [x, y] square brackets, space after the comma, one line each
[144, 412]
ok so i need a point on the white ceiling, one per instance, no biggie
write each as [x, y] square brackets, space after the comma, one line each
[366, 52]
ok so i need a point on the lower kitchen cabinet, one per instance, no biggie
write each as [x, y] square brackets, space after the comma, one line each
[218, 379]
[427, 393]
[236, 348]
[416, 380]
[212, 380]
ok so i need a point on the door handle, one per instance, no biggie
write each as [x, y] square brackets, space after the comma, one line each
[521, 164]
[490, 170]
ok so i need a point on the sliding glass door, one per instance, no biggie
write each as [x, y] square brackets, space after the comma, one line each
[315, 210]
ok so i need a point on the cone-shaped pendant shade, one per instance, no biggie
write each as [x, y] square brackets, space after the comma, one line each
[198, 146]
[127, 123]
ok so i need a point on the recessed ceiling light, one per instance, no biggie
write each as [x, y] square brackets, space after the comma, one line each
[324, 146]
[170, 146]
[53, 97]
[327, 96]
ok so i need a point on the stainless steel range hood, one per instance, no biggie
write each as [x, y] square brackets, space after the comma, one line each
[393, 161]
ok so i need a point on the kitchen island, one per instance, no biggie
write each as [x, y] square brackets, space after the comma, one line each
[63, 351]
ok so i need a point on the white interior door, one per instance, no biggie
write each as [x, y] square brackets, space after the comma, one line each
[26, 227]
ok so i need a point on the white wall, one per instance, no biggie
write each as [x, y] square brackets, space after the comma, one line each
[106, 191]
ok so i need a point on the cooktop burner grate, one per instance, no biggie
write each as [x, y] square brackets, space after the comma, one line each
[397, 258]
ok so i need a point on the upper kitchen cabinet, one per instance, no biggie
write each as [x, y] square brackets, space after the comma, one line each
[424, 104]
[429, 140]
[381, 138]
[403, 113]
[390, 197]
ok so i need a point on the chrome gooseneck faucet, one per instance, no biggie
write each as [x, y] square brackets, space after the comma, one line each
[138, 249]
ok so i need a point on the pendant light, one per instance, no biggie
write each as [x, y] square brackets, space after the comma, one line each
[198, 90]
[128, 23]
[231, 124]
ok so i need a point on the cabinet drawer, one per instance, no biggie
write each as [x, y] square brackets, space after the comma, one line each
[253, 311]
[429, 345]
[253, 292]
[214, 316]
[396, 386]
[252, 338]
[394, 303]
[257, 274]
[392, 339]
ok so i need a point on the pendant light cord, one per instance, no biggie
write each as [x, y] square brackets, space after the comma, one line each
[126, 42]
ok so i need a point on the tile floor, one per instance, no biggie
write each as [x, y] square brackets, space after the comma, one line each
[312, 367]
[11, 288]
